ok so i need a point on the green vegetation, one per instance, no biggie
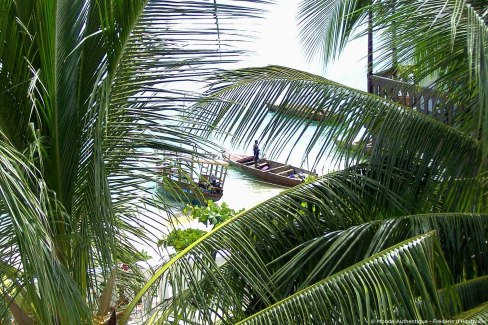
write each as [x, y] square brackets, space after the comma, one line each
[401, 232]
[87, 107]
[182, 238]
[310, 178]
[211, 213]
[89, 100]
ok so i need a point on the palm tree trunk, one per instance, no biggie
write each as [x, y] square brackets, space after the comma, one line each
[370, 51]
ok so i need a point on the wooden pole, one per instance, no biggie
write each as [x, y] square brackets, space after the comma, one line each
[370, 51]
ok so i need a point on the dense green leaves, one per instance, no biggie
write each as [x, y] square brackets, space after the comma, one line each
[396, 284]
[475, 315]
[443, 43]
[295, 240]
[30, 248]
[211, 213]
[182, 238]
[90, 92]
[305, 256]
[434, 155]
[327, 26]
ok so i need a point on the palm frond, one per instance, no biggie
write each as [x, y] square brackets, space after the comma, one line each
[296, 239]
[272, 227]
[444, 41]
[88, 95]
[473, 292]
[371, 289]
[398, 138]
[320, 257]
[14, 104]
[40, 266]
[326, 26]
[478, 314]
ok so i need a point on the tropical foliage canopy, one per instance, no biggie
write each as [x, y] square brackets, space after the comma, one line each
[89, 90]
[87, 100]
[401, 232]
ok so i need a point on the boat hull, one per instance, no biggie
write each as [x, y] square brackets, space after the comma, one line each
[193, 179]
[277, 173]
[187, 193]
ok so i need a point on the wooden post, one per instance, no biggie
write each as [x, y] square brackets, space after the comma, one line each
[370, 51]
[394, 53]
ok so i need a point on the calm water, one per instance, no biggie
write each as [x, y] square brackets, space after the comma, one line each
[240, 190]
[243, 191]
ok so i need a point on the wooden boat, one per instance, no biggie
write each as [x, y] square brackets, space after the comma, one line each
[194, 179]
[270, 171]
[306, 112]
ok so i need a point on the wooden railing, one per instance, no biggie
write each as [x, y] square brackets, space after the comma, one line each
[423, 100]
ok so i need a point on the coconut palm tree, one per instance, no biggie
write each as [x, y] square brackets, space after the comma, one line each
[87, 95]
[400, 234]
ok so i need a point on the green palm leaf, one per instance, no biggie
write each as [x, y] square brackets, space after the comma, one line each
[371, 289]
[401, 139]
[327, 26]
[272, 227]
[443, 43]
[30, 224]
[440, 160]
[472, 293]
[294, 240]
[89, 90]
[478, 314]
[87, 96]
[449, 44]
[320, 257]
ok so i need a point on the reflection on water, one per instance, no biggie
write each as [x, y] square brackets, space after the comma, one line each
[243, 191]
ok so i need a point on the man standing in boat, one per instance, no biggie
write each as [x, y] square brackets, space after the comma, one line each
[255, 150]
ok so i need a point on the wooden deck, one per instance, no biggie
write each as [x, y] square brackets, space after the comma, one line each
[423, 100]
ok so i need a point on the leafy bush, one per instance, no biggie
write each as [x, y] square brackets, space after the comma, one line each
[182, 238]
[212, 213]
